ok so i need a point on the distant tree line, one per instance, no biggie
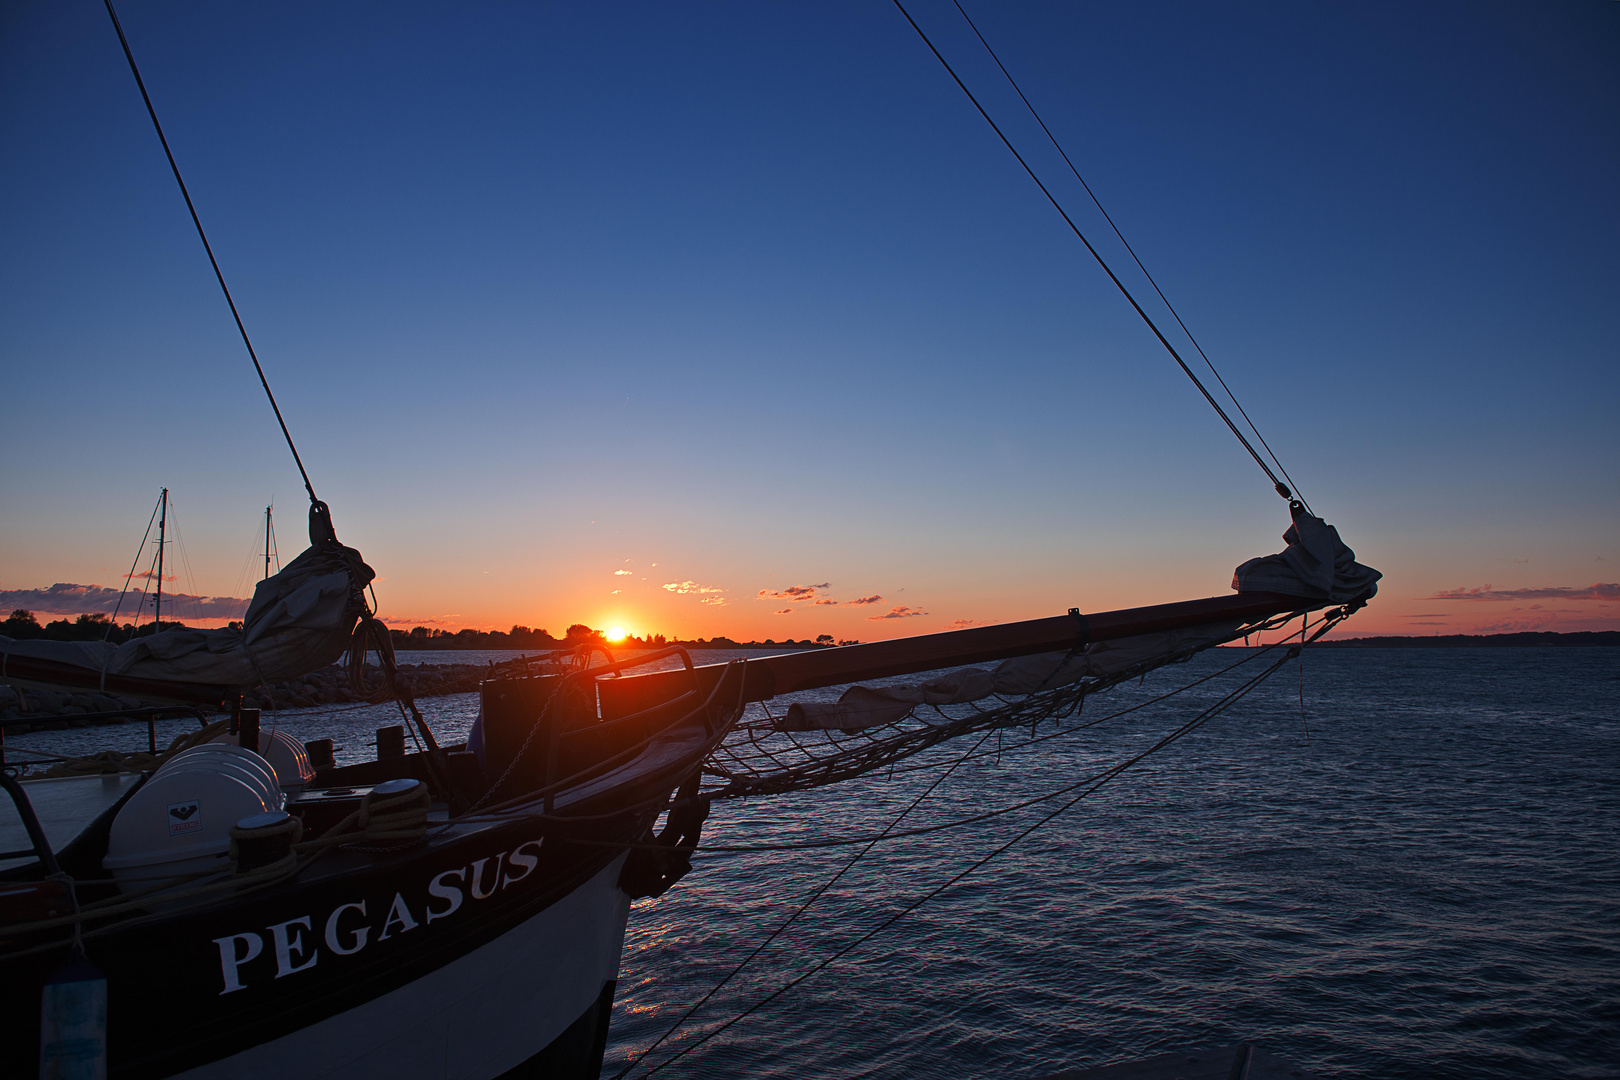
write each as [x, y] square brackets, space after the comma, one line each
[522, 637]
[23, 625]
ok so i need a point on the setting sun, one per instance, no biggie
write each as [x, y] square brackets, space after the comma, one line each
[615, 633]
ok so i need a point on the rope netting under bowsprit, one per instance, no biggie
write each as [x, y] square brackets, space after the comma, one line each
[810, 745]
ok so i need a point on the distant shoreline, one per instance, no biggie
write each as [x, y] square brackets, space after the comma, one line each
[1477, 641]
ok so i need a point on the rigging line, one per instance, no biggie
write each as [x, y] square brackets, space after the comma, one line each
[1281, 488]
[919, 741]
[147, 579]
[1102, 719]
[812, 898]
[197, 221]
[1187, 728]
[1106, 217]
[923, 830]
[131, 575]
[185, 561]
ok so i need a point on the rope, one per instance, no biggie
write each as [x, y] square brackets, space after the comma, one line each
[1281, 488]
[197, 221]
[113, 622]
[1106, 217]
[385, 822]
[1187, 728]
[812, 898]
[742, 762]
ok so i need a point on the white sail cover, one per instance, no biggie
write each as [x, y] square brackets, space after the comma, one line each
[1316, 564]
[300, 620]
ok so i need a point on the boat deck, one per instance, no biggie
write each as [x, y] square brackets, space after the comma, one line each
[65, 805]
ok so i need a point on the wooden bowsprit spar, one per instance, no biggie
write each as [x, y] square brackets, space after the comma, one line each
[771, 676]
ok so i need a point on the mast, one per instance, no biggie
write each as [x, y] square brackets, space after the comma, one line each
[267, 540]
[157, 599]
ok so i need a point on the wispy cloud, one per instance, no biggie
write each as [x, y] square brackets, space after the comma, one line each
[784, 611]
[65, 599]
[822, 603]
[449, 622]
[873, 599]
[897, 613]
[1601, 592]
[717, 601]
[792, 592]
[148, 575]
[685, 587]
[621, 573]
[960, 624]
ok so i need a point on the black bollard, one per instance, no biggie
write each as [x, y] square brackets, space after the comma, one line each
[390, 742]
[320, 754]
[247, 730]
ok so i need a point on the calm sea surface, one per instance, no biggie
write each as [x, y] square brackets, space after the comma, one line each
[1419, 877]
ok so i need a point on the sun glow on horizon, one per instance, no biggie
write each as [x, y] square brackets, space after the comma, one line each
[615, 633]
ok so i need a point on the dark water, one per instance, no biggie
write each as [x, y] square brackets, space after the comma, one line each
[1426, 886]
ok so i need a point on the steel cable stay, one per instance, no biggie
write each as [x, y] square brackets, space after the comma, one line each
[805, 906]
[1277, 485]
[203, 236]
[973, 753]
[1018, 721]
[147, 535]
[1094, 784]
[760, 759]
[1135, 258]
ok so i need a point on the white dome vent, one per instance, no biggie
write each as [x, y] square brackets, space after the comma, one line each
[286, 756]
[180, 820]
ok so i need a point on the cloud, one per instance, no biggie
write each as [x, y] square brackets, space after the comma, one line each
[1416, 623]
[717, 601]
[896, 613]
[873, 599]
[64, 599]
[1602, 592]
[784, 611]
[820, 603]
[449, 622]
[684, 587]
[792, 592]
[621, 573]
[960, 624]
[148, 575]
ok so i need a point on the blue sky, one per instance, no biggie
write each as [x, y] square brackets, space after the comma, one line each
[748, 296]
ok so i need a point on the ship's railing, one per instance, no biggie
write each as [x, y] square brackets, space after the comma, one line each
[36, 835]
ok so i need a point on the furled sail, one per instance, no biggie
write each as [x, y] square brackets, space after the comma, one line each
[299, 620]
[1316, 565]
